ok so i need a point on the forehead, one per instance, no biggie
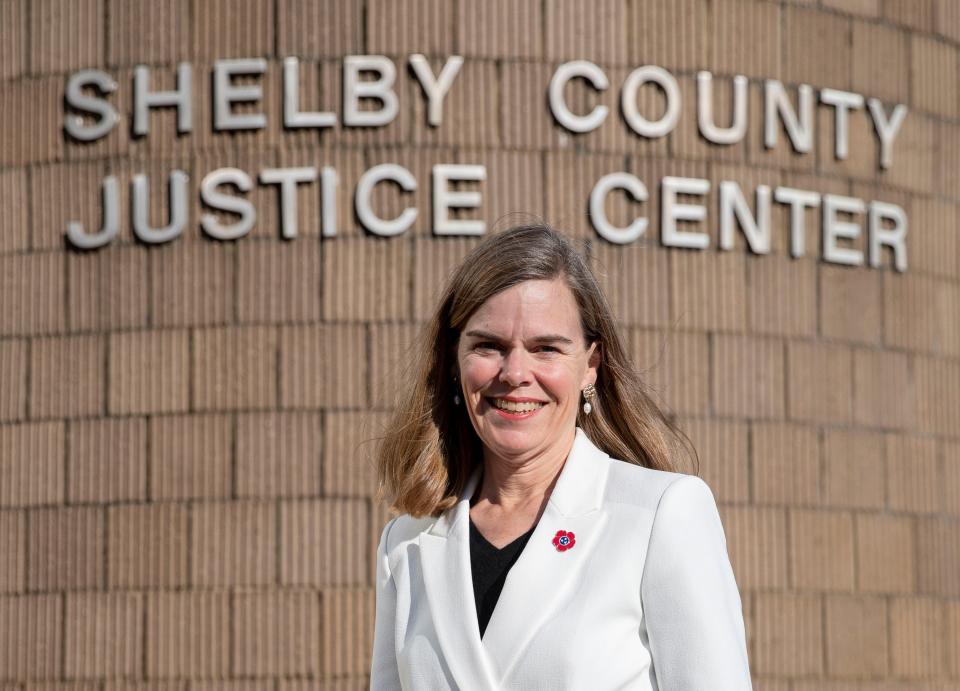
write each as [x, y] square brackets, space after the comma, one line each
[530, 308]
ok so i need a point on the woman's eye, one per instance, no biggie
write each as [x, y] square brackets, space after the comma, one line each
[487, 345]
[547, 349]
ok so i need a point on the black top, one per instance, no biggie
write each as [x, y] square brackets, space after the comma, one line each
[490, 567]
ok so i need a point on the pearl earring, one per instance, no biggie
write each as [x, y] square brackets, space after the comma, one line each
[456, 396]
[588, 393]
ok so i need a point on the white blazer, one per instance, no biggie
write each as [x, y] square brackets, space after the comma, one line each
[644, 600]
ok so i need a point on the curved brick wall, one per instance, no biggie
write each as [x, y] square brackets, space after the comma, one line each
[184, 500]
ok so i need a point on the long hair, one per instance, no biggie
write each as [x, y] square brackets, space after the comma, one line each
[430, 447]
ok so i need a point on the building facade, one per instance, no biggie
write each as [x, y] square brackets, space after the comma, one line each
[224, 221]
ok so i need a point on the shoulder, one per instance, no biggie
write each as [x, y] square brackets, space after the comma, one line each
[645, 488]
[402, 529]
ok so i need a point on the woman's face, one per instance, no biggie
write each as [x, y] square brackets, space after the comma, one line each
[523, 364]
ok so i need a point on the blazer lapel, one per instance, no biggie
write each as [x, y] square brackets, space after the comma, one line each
[541, 578]
[536, 584]
[445, 555]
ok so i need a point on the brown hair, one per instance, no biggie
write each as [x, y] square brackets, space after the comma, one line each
[430, 447]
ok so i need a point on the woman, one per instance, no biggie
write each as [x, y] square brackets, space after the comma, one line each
[543, 541]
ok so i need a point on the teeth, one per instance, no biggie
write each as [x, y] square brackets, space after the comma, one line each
[514, 407]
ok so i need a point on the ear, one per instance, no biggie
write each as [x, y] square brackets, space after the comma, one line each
[594, 358]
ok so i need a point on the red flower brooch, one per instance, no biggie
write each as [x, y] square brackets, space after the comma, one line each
[564, 540]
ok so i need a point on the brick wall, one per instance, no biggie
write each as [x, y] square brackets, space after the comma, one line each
[185, 498]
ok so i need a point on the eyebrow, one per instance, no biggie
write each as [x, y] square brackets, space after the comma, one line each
[546, 338]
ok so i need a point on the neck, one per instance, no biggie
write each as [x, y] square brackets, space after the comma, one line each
[513, 484]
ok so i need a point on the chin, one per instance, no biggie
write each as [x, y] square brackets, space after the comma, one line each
[512, 441]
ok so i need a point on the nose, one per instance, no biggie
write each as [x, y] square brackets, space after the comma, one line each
[514, 369]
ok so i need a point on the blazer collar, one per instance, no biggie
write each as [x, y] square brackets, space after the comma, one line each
[575, 505]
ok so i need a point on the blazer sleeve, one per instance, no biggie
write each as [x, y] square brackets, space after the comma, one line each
[692, 608]
[384, 673]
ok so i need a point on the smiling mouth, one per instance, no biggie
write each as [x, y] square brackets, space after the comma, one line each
[516, 406]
